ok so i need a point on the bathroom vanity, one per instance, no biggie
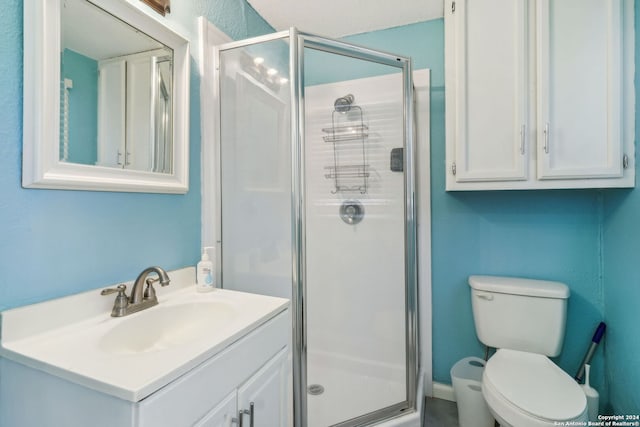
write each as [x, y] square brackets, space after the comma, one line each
[193, 360]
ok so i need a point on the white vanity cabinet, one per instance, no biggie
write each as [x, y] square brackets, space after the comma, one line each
[223, 415]
[539, 94]
[251, 371]
[259, 399]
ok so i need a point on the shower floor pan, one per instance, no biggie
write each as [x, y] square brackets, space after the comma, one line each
[351, 389]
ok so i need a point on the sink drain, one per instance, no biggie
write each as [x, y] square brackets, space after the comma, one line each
[315, 389]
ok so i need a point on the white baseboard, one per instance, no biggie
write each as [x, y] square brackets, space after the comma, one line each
[443, 391]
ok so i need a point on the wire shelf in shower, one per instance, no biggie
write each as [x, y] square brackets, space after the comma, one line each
[348, 172]
[346, 133]
[347, 124]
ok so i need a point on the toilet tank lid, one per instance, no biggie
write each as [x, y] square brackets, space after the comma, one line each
[520, 286]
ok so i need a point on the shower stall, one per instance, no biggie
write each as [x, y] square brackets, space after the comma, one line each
[317, 203]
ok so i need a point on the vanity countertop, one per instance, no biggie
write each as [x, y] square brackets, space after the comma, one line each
[130, 357]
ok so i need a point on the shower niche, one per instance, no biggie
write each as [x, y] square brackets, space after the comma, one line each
[341, 110]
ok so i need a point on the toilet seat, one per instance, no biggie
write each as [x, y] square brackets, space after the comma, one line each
[527, 389]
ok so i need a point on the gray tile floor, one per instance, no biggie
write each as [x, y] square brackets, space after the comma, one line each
[440, 413]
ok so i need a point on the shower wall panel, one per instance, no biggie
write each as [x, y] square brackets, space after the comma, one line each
[256, 171]
[355, 278]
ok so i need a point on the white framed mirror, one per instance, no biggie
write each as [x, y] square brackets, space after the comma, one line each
[106, 98]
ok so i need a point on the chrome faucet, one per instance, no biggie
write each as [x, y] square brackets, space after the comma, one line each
[138, 300]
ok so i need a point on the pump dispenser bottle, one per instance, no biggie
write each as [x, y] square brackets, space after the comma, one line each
[205, 273]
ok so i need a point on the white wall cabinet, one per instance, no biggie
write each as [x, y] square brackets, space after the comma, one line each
[126, 97]
[112, 96]
[539, 94]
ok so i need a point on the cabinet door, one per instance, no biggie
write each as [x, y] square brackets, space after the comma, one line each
[487, 96]
[580, 78]
[267, 392]
[111, 113]
[139, 102]
[222, 415]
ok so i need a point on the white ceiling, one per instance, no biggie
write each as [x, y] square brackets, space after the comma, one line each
[337, 18]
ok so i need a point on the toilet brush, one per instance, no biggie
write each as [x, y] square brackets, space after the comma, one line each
[593, 398]
[597, 336]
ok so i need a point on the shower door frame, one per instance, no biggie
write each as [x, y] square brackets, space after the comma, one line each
[298, 41]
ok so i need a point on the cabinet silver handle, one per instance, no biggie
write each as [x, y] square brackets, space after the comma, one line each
[126, 159]
[546, 138]
[523, 133]
[243, 412]
[118, 162]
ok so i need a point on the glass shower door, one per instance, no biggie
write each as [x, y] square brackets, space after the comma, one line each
[316, 187]
[355, 266]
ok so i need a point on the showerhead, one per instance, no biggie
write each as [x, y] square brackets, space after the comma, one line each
[343, 104]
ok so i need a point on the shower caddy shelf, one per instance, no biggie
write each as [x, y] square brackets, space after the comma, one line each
[347, 177]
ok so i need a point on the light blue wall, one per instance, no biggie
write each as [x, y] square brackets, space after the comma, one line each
[538, 234]
[56, 243]
[622, 297]
[622, 283]
[83, 106]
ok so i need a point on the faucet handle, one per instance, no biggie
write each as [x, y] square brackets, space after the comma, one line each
[120, 288]
[122, 300]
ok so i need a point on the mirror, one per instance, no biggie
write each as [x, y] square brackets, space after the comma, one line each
[106, 98]
[115, 106]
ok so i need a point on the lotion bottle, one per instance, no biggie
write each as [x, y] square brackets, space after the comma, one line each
[205, 274]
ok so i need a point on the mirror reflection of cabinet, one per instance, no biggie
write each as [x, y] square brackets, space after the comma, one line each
[135, 89]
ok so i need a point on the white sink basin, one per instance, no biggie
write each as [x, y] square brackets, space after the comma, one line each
[130, 357]
[162, 327]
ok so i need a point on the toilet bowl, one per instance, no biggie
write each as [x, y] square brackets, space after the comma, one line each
[529, 390]
[525, 320]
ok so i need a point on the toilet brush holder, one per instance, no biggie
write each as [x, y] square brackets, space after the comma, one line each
[593, 398]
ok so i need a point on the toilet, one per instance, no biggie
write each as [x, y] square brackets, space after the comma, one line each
[525, 321]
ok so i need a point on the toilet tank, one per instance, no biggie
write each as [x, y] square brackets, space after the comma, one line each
[519, 314]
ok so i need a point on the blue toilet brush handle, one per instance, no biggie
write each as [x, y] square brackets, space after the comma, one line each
[597, 336]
